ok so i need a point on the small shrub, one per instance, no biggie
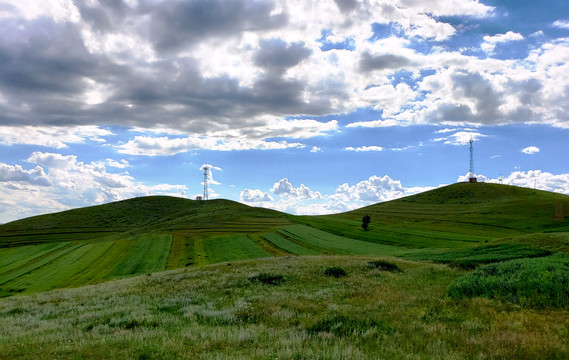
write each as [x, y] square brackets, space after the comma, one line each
[383, 265]
[464, 264]
[335, 271]
[268, 279]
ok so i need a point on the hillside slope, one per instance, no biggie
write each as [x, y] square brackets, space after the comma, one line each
[138, 216]
[454, 214]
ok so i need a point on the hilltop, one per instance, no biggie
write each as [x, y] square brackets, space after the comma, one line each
[452, 215]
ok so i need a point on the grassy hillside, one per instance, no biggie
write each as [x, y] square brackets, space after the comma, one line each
[140, 215]
[454, 216]
[150, 234]
[287, 309]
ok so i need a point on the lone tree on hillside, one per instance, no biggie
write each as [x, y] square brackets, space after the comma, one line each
[365, 221]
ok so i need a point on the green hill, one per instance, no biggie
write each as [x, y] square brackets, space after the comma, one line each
[150, 234]
[454, 215]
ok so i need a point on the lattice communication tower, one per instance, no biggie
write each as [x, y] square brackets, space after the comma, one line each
[205, 178]
[471, 177]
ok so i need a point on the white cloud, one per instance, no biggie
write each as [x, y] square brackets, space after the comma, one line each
[530, 150]
[364, 148]
[541, 180]
[17, 174]
[118, 164]
[561, 24]
[59, 182]
[374, 189]
[284, 187]
[210, 169]
[304, 201]
[460, 138]
[315, 149]
[165, 146]
[376, 123]
[255, 195]
[51, 136]
[490, 42]
[330, 207]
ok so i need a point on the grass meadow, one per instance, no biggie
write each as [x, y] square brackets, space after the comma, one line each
[222, 311]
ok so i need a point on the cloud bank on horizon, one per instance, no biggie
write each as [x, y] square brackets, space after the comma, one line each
[105, 100]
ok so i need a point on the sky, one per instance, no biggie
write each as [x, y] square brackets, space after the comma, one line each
[307, 107]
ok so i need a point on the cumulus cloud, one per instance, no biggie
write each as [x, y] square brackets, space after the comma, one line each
[57, 182]
[374, 189]
[538, 179]
[530, 150]
[254, 195]
[370, 62]
[490, 42]
[460, 137]
[284, 187]
[17, 174]
[231, 72]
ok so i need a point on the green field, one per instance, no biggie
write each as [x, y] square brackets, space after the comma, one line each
[480, 264]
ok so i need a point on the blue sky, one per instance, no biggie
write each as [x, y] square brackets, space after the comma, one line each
[305, 107]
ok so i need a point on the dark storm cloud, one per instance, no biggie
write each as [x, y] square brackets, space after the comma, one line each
[369, 62]
[178, 24]
[276, 56]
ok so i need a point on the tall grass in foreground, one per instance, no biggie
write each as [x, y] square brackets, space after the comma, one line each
[538, 283]
[285, 308]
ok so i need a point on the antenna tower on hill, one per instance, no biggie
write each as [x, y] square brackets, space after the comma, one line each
[205, 177]
[471, 177]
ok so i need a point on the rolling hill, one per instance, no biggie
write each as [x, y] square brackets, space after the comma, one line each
[150, 234]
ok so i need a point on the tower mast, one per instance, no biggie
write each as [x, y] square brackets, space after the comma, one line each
[205, 178]
[471, 177]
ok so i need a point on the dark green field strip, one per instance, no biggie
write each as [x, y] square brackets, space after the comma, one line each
[12, 258]
[55, 274]
[146, 254]
[337, 244]
[38, 262]
[228, 227]
[232, 247]
[34, 239]
[288, 245]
